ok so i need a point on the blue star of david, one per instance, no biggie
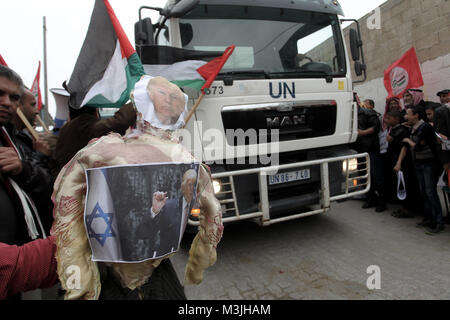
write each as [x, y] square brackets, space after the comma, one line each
[107, 217]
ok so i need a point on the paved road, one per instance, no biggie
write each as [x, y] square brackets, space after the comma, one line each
[326, 257]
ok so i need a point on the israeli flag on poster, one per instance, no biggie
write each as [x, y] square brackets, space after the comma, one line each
[100, 220]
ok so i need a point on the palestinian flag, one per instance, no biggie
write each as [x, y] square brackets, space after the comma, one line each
[36, 89]
[108, 67]
[403, 74]
[185, 68]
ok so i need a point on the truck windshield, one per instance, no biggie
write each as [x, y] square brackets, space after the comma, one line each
[270, 42]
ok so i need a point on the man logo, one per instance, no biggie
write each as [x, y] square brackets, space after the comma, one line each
[399, 80]
[287, 121]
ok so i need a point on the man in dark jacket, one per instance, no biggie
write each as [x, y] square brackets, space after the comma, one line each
[85, 124]
[171, 215]
[442, 127]
[424, 149]
[368, 141]
[12, 229]
[19, 220]
[400, 159]
[444, 96]
[36, 177]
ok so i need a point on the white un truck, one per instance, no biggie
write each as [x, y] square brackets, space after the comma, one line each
[277, 125]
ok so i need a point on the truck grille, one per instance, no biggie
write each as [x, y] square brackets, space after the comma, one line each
[294, 122]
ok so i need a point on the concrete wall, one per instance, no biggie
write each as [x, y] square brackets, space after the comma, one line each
[423, 24]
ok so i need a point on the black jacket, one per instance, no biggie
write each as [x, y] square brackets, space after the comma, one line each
[442, 126]
[167, 223]
[426, 144]
[77, 133]
[397, 134]
[368, 119]
[13, 229]
[36, 178]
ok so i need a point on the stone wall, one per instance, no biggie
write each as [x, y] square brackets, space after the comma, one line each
[423, 24]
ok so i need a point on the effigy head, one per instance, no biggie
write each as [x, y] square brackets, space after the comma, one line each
[160, 103]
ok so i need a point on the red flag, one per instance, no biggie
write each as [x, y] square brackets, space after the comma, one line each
[36, 90]
[2, 62]
[403, 74]
[210, 70]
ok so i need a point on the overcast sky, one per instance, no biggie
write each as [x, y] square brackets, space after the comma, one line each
[21, 31]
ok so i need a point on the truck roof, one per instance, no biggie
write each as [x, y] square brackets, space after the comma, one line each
[325, 6]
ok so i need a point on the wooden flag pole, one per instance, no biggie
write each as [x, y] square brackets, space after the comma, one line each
[27, 124]
[42, 124]
[191, 113]
[45, 114]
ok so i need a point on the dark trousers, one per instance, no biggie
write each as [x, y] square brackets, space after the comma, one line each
[428, 176]
[376, 194]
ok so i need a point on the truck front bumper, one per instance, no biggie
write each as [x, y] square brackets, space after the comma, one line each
[355, 181]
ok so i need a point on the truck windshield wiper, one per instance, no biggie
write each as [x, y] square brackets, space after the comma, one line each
[244, 73]
[302, 74]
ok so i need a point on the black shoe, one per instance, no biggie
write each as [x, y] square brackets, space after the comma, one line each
[438, 228]
[368, 205]
[404, 214]
[424, 223]
[447, 220]
[380, 208]
[396, 213]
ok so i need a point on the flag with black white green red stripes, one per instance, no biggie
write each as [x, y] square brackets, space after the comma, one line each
[183, 67]
[108, 66]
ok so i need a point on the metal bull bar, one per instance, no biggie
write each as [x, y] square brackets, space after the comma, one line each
[357, 182]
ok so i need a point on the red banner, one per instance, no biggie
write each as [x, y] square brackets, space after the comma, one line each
[403, 74]
[2, 62]
[36, 90]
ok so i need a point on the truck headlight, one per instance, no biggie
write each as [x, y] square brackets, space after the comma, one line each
[350, 165]
[217, 187]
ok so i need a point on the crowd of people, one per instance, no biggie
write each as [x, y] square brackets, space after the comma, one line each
[409, 150]
[408, 144]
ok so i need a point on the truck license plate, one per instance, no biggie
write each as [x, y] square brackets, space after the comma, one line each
[286, 177]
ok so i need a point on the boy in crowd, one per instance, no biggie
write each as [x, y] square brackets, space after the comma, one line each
[400, 159]
[422, 142]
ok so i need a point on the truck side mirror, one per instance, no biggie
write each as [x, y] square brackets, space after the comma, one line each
[182, 7]
[359, 68]
[143, 32]
[355, 44]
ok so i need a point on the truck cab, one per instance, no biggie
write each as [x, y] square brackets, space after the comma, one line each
[277, 125]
